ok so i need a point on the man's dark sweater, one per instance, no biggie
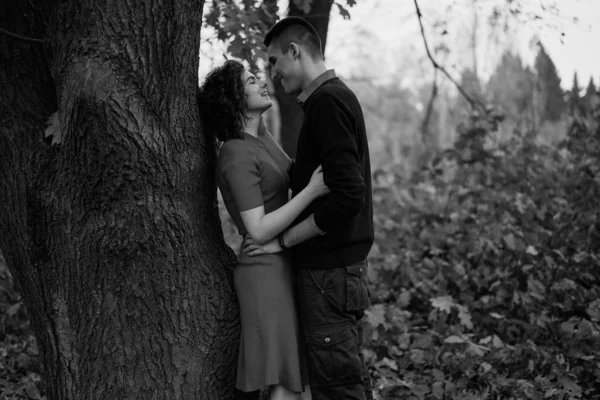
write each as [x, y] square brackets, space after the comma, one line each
[333, 135]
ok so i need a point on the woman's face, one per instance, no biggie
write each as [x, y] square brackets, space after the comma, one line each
[256, 93]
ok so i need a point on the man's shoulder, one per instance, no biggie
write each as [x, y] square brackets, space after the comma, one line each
[333, 89]
[332, 86]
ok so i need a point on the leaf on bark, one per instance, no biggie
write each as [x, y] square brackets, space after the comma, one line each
[53, 129]
[32, 391]
[343, 12]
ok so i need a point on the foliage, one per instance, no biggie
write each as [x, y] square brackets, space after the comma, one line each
[573, 96]
[242, 24]
[392, 119]
[511, 87]
[549, 86]
[20, 366]
[485, 279]
[591, 89]
[471, 84]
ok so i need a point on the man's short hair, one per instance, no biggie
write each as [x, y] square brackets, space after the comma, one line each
[295, 30]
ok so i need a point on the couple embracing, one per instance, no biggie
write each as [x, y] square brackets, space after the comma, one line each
[301, 278]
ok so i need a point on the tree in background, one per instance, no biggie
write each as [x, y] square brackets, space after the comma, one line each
[549, 93]
[392, 118]
[469, 80]
[109, 223]
[591, 88]
[511, 87]
[573, 94]
[590, 94]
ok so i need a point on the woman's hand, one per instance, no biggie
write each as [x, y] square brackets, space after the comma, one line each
[317, 186]
[253, 249]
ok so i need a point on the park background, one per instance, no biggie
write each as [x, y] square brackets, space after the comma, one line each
[484, 273]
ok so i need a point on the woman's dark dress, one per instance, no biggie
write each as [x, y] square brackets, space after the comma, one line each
[250, 173]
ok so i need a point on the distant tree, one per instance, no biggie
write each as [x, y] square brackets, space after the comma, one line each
[589, 98]
[470, 82]
[511, 88]
[590, 91]
[574, 98]
[575, 88]
[550, 99]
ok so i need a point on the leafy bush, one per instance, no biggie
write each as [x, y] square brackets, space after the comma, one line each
[19, 356]
[485, 278]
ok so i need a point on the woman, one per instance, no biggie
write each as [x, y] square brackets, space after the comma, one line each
[252, 176]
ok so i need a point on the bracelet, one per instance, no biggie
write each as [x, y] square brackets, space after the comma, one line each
[281, 244]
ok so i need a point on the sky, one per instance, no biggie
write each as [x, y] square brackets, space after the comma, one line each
[382, 40]
[389, 35]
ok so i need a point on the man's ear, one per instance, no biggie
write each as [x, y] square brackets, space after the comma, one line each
[294, 50]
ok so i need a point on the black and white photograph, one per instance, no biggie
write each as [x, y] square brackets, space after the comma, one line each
[299, 200]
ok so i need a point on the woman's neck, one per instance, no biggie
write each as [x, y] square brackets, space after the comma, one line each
[251, 125]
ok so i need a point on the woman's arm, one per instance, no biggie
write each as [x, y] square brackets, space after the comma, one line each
[264, 227]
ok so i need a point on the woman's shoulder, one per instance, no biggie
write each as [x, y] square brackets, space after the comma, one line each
[235, 146]
[235, 150]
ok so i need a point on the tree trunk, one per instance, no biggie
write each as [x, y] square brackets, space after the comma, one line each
[112, 234]
[291, 114]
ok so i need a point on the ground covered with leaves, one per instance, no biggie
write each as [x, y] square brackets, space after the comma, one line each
[484, 275]
[19, 356]
[486, 271]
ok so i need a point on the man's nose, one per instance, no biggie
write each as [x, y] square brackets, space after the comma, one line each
[274, 74]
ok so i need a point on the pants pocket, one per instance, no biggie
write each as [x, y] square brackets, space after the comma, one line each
[332, 356]
[357, 290]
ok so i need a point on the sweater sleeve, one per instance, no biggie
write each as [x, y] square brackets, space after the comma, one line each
[333, 124]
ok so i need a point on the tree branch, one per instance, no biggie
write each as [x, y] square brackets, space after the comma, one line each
[25, 38]
[429, 112]
[437, 66]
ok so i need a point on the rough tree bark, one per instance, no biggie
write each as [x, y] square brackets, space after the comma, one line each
[112, 235]
[291, 114]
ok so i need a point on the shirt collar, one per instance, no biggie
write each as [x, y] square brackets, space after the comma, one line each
[314, 85]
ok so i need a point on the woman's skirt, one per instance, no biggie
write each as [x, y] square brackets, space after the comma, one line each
[271, 350]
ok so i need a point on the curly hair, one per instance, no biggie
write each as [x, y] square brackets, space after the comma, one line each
[222, 101]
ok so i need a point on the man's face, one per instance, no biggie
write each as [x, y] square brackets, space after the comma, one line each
[285, 67]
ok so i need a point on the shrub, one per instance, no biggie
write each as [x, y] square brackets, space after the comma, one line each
[485, 278]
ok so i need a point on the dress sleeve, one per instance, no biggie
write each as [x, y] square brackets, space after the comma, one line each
[240, 171]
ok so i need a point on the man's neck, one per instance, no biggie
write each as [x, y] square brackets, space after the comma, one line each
[313, 71]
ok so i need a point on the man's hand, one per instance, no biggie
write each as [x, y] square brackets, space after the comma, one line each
[253, 249]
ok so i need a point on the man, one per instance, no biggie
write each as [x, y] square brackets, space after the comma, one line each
[331, 243]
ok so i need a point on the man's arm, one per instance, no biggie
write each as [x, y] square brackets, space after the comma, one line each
[298, 233]
[301, 232]
[339, 156]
